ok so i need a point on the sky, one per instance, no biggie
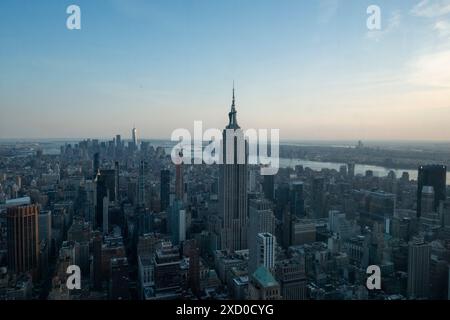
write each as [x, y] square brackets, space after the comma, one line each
[309, 68]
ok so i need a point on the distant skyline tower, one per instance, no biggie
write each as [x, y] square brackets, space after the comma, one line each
[179, 179]
[134, 138]
[118, 141]
[22, 238]
[233, 188]
[351, 169]
[96, 165]
[434, 176]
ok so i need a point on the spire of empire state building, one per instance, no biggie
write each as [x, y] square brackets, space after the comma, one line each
[232, 115]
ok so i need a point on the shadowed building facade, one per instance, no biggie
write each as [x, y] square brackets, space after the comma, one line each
[233, 186]
[22, 238]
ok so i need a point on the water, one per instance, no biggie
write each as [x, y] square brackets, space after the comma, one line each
[378, 171]
[359, 168]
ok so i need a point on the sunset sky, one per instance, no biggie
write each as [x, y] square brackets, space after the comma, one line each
[309, 68]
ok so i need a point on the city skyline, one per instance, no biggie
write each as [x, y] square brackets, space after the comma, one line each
[89, 223]
[313, 70]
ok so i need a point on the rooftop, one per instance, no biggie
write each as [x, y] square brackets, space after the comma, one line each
[264, 277]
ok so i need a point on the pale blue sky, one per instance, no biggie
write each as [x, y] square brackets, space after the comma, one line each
[309, 68]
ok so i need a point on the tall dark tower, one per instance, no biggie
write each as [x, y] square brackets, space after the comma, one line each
[165, 189]
[96, 163]
[179, 179]
[141, 184]
[22, 238]
[117, 185]
[269, 187]
[297, 200]
[318, 197]
[233, 188]
[105, 192]
[434, 176]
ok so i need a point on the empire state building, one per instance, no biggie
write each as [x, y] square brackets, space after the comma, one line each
[233, 185]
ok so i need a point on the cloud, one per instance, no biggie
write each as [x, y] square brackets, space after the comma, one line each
[443, 28]
[431, 70]
[431, 9]
[393, 23]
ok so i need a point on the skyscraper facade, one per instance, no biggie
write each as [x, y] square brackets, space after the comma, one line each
[141, 185]
[269, 187]
[165, 189]
[106, 192]
[134, 141]
[297, 200]
[178, 222]
[261, 220]
[418, 269]
[434, 176]
[22, 237]
[233, 188]
[318, 197]
[179, 179]
[265, 249]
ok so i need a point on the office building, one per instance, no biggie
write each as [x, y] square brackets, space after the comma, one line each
[233, 187]
[165, 189]
[418, 269]
[261, 220]
[22, 238]
[269, 187]
[434, 176]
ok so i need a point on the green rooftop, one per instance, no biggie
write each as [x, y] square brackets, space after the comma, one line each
[263, 276]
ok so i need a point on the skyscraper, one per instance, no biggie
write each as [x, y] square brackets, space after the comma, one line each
[134, 141]
[141, 185]
[179, 179]
[318, 197]
[297, 200]
[96, 165]
[45, 226]
[233, 187]
[165, 189]
[178, 222]
[351, 169]
[265, 249]
[116, 186]
[22, 237]
[118, 141]
[434, 176]
[418, 269]
[261, 220]
[106, 192]
[269, 187]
